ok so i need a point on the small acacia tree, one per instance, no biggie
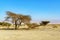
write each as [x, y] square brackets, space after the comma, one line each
[44, 23]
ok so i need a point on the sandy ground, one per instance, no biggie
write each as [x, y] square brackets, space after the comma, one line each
[29, 35]
[34, 34]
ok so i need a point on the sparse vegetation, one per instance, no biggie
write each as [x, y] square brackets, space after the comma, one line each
[17, 19]
[5, 24]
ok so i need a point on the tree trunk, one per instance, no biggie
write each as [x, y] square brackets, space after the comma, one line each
[15, 25]
[19, 24]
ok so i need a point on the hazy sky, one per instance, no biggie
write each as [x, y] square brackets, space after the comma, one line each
[38, 9]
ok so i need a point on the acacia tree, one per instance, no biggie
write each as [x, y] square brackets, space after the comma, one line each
[17, 18]
[13, 17]
[44, 23]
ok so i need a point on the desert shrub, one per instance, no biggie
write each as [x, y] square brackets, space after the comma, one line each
[5, 24]
[0, 23]
[32, 25]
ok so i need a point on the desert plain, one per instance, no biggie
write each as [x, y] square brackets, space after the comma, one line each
[47, 32]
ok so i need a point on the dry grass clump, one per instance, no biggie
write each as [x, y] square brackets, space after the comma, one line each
[54, 26]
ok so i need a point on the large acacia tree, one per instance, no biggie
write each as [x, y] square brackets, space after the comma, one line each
[18, 18]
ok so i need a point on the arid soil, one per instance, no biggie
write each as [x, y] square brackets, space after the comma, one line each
[41, 33]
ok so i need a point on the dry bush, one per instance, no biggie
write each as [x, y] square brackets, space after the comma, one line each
[54, 26]
[32, 25]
